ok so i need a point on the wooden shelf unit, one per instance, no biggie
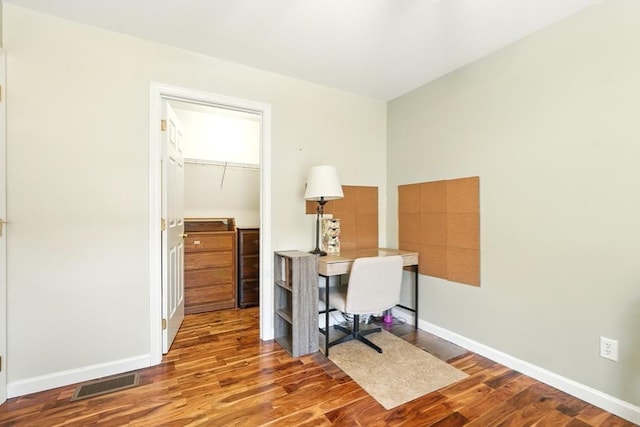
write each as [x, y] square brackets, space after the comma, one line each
[248, 267]
[296, 301]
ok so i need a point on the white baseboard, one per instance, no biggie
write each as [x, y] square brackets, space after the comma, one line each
[602, 400]
[72, 376]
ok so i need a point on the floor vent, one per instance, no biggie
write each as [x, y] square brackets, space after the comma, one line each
[106, 385]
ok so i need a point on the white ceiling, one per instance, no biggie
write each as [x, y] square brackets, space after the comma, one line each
[376, 48]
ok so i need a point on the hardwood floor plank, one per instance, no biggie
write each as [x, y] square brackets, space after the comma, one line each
[219, 373]
[467, 397]
[312, 417]
[454, 419]
[495, 416]
[577, 423]
[553, 419]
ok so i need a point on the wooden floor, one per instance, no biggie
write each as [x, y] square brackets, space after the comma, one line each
[218, 373]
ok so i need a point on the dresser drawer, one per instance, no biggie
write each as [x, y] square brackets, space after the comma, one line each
[250, 267]
[249, 243]
[250, 290]
[197, 260]
[209, 289]
[207, 276]
[208, 298]
[208, 242]
[210, 294]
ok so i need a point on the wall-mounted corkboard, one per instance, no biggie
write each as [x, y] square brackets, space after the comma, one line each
[441, 220]
[358, 214]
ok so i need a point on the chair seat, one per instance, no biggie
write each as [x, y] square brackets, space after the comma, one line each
[374, 286]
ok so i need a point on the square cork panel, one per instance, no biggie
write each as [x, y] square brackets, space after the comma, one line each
[348, 203]
[348, 230]
[411, 247]
[328, 207]
[310, 207]
[348, 246]
[367, 199]
[409, 198]
[463, 266]
[433, 197]
[433, 229]
[366, 244]
[463, 230]
[408, 227]
[433, 261]
[463, 195]
[367, 231]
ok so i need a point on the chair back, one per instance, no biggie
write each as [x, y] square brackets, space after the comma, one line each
[374, 284]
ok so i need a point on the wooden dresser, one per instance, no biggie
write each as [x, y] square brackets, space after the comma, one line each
[248, 267]
[209, 264]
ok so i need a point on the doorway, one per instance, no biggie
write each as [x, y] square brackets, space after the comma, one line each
[160, 93]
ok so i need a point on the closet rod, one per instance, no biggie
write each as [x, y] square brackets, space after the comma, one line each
[223, 164]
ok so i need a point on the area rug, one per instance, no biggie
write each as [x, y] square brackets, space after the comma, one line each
[401, 373]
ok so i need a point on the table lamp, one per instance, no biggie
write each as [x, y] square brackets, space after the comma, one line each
[322, 185]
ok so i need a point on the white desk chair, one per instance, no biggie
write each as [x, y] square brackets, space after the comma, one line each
[374, 286]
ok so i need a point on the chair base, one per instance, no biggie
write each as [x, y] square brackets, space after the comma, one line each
[356, 334]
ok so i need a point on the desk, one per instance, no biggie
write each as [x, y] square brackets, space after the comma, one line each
[336, 265]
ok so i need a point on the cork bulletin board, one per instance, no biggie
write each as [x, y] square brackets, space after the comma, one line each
[358, 214]
[441, 221]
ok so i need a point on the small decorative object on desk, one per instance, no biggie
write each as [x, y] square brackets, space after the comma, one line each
[331, 235]
[388, 317]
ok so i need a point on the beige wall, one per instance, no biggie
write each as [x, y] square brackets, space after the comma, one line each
[551, 124]
[77, 175]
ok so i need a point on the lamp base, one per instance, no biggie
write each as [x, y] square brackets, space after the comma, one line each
[318, 252]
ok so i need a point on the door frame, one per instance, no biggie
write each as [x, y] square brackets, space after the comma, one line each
[158, 93]
[3, 238]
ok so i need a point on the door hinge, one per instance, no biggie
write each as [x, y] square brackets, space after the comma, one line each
[0, 363]
[0, 93]
[163, 224]
[163, 125]
[164, 324]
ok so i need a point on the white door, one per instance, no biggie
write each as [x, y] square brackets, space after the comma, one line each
[173, 234]
[3, 238]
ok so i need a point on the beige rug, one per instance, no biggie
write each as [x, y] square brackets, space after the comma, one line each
[401, 373]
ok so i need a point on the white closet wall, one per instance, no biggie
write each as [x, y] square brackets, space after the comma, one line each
[222, 175]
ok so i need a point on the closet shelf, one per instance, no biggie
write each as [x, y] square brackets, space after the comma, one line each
[223, 164]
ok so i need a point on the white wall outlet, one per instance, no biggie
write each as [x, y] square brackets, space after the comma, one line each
[609, 348]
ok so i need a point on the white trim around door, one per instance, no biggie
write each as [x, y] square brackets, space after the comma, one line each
[159, 92]
[3, 236]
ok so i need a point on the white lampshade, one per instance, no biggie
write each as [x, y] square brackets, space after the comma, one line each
[323, 182]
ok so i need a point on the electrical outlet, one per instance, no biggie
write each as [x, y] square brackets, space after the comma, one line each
[609, 348]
